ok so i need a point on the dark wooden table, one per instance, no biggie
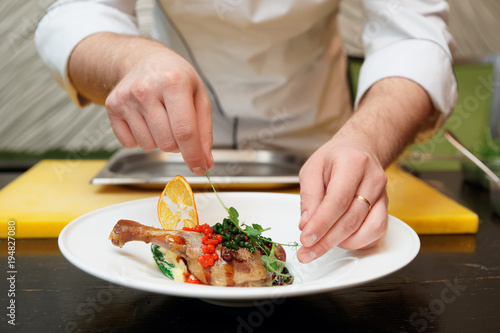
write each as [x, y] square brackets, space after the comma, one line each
[453, 285]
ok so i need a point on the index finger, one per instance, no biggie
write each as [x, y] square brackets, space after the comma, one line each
[312, 190]
[204, 115]
[185, 128]
[339, 194]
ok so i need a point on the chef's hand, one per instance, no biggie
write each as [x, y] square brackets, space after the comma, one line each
[342, 185]
[154, 97]
[162, 103]
[332, 214]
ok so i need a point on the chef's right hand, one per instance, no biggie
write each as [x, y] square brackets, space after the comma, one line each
[161, 102]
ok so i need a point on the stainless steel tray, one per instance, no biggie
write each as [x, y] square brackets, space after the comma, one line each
[247, 169]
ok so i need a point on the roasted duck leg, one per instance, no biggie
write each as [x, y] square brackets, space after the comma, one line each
[233, 268]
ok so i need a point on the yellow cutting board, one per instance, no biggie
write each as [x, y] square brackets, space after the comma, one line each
[54, 192]
[425, 209]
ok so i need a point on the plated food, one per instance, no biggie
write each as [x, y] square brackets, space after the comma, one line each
[228, 253]
[133, 265]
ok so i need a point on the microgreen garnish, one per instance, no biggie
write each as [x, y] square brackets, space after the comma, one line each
[254, 233]
[255, 230]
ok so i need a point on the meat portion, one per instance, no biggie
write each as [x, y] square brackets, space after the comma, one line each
[244, 269]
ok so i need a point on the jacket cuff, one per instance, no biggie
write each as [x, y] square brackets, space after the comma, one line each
[65, 25]
[422, 61]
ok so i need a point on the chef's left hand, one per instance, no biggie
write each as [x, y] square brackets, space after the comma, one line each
[342, 185]
[332, 213]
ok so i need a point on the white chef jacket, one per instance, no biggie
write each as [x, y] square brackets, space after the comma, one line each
[274, 70]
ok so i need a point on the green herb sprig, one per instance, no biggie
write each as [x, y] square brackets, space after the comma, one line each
[254, 233]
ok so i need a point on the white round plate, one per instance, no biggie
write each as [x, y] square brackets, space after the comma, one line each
[84, 242]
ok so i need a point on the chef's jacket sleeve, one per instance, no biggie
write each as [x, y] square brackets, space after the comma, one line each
[67, 22]
[409, 38]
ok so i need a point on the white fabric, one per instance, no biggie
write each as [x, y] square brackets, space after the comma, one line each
[68, 22]
[409, 39]
[275, 66]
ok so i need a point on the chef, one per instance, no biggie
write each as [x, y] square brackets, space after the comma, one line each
[261, 74]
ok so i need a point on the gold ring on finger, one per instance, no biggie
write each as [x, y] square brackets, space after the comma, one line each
[359, 197]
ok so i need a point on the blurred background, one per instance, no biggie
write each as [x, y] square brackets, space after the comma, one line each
[38, 120]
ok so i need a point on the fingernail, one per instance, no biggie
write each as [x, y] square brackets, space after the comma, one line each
[211, 158]
[208, 153]
[197, 171]
[307, 256]
[309, 240]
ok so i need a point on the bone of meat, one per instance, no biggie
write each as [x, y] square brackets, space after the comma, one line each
[245, 269]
